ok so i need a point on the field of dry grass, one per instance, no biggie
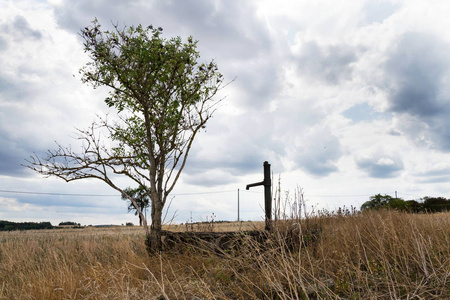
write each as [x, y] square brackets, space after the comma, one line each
[375, 255]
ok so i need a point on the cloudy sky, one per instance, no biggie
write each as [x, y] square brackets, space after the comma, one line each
[345, 99]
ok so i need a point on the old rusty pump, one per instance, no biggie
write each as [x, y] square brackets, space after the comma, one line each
[267, 193]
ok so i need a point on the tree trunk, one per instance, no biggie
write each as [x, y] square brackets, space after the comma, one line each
[154, 242]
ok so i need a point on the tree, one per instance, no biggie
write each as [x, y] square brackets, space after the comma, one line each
[435, 204]
[377, 201]
[142, 199]
[69, 223]
[163, 97]
[382, 201]
[414, 206]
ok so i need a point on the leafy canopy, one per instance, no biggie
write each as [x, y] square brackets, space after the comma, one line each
[158, 87]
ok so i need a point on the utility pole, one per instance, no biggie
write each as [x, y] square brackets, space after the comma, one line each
[238, 206]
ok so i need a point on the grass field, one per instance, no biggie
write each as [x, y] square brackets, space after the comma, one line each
[375, 255]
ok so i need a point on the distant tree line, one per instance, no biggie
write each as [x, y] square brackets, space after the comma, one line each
[69, 223]
[426, 204]
[8, 226]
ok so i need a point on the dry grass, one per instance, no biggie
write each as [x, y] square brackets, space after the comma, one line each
[375, 255]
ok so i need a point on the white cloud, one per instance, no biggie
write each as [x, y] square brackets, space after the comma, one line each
[12, 205]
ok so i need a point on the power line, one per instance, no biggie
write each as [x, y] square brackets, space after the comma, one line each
[103, 195]
[335, 196]
[410, 195]
[345, 196]
[179, 194]
[55, 194]
[251, 192]
[201, 193]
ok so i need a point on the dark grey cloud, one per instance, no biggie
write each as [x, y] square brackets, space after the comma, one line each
[14, 90]
[20, 79]
[231, 33]
[418, 70]
[380, 165]
[20, 137]
[318, 152]
[3, 44]
[439, 175]
[25, 126]
[74, 15]
[434, 179]
[22, 27]
[17, 30]
[259, 82]
[61, 201]
[331, 64]
[12, 158]
[13, 152]
[226, 27]
[230, 28]
[323, 167]
[231, 160]
[394, 132]
[418, 65]
[209, 179]
[440, 179]
[241, 150]
[16, 94]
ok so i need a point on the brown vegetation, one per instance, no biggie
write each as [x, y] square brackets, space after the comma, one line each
[375, 255]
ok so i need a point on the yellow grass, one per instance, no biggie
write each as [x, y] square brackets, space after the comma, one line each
[375, 255]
